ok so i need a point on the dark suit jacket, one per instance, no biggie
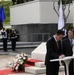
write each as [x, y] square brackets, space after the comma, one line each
[53, 51]
[66, 47]
[67, 51]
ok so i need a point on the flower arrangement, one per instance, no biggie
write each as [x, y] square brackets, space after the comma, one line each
[19, 61]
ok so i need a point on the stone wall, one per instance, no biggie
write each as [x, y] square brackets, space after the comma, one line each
[35, 28]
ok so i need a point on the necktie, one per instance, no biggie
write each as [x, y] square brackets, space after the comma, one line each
[71, 42]
[57, 43]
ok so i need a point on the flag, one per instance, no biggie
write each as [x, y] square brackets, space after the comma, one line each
[61, 18]
[2, 14]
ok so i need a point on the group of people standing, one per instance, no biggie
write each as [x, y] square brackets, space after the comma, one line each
[13, 37]
[59, 47]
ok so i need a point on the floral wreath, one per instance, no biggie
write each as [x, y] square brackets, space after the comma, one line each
[19, 61]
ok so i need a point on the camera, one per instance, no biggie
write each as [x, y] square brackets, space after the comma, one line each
[3, 33]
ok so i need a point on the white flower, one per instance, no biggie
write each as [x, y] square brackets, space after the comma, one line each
[18, 60]
[24, 58]
[14, 64]
[17, 55]
[25, 55]
[16, 68]
[21, 54]
[21, 62]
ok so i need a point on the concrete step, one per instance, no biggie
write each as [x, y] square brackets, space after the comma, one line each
[38, 67]
[9, 53]
[35, 70]
[21, 45]
[39, 70]
[40, 64]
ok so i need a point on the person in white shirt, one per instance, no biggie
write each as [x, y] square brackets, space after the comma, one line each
[4, 39]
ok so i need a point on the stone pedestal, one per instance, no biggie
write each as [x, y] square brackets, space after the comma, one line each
[40, 52]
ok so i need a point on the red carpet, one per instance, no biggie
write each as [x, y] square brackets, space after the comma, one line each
[30, 62]
[7, 71]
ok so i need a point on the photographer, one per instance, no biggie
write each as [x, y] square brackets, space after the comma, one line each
[13, 38]
[4, 39]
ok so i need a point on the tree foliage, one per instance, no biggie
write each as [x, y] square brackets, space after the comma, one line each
[7, 5]
[65, 1]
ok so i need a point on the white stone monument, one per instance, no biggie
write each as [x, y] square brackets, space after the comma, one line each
[40, 52]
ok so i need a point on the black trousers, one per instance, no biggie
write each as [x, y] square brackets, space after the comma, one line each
[4, 44]
[52, 68]
[13, 41]
[73, 66]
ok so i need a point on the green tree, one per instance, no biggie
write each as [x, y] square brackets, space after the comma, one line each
[7, 5]
[28, 0]
[66, 1]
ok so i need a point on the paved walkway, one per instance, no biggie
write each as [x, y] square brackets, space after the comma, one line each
[7, 58]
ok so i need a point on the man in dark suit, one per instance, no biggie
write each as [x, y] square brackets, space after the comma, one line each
[67, 49]
[53, 52]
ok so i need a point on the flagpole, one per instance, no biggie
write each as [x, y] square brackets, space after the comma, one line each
[61, 17]
[60, 3]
